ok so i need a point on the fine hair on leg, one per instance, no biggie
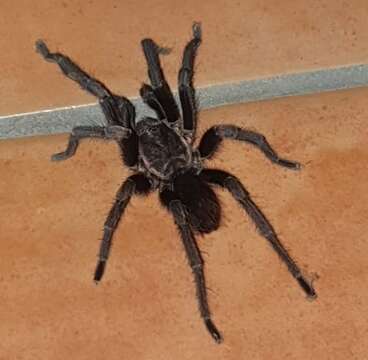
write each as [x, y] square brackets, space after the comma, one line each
[83, 132]
[233, 185]
[73, 71]
[213, 137]
[119, 111]
[175, 206]
[159, 84]
[204, 210]
[185, 81]
[137, 184]
[148, 95]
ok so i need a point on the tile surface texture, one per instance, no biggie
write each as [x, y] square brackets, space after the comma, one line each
[145, 308]
[241, 40]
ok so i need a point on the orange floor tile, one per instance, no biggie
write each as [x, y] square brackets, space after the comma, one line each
[51, 224]
[241, 40]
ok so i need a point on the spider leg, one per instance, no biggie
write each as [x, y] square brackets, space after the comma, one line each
[73, 71]
[160, 86]
[232, 184]
[135, 184]
[214, 136]
[110, 132]
[194, 257]
[148, 95]
[118, 110]
[186, 89]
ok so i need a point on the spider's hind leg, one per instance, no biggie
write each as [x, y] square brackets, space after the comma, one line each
[135, 184]
[234, 186]
[171, 201]
[204, 210]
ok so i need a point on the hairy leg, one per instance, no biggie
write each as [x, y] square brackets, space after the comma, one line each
[170, 200]
[137, 184]
[73, 71]
[118, 110]
[111, 132]
[159, 84]
[148, 95]
[186, 89]
[214, 136]
[233, 185]
[129, 149]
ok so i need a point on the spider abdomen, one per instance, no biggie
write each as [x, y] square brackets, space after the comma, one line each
[204, 210]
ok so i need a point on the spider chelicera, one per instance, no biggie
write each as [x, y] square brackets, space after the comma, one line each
[161, 153]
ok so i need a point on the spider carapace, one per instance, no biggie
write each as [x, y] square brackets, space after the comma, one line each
[161, 153]
[163, 150]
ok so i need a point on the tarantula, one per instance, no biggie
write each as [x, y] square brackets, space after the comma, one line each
[162, 154]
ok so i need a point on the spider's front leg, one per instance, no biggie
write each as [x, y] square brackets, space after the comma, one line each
[185, 81]
[110, 132]
[177, 209]
[73, 71]
[149, 97]
[119, 111]
[160, 86]
[214, 136]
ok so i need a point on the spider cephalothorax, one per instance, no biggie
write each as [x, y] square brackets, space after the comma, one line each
[161, 153]
[162, 149]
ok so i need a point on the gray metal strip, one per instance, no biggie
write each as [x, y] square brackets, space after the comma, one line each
[62, 120]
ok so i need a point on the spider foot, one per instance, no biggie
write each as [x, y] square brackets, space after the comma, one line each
[42, 48]
[163, 50]
[213, 331]
[100, 269]
[61, 156]
[293, 165]
[197, 32]
[308, 288]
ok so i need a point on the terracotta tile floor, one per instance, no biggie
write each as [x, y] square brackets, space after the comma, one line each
[242, 40]
[51, 221]
[51, 215]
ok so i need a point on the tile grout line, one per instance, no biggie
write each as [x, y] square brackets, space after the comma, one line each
[62, 120]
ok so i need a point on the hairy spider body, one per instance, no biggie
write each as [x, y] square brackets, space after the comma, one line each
[201, 202]
[162, 149]
[161, 153]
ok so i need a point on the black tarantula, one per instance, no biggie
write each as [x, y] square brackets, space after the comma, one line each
[162, 155]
